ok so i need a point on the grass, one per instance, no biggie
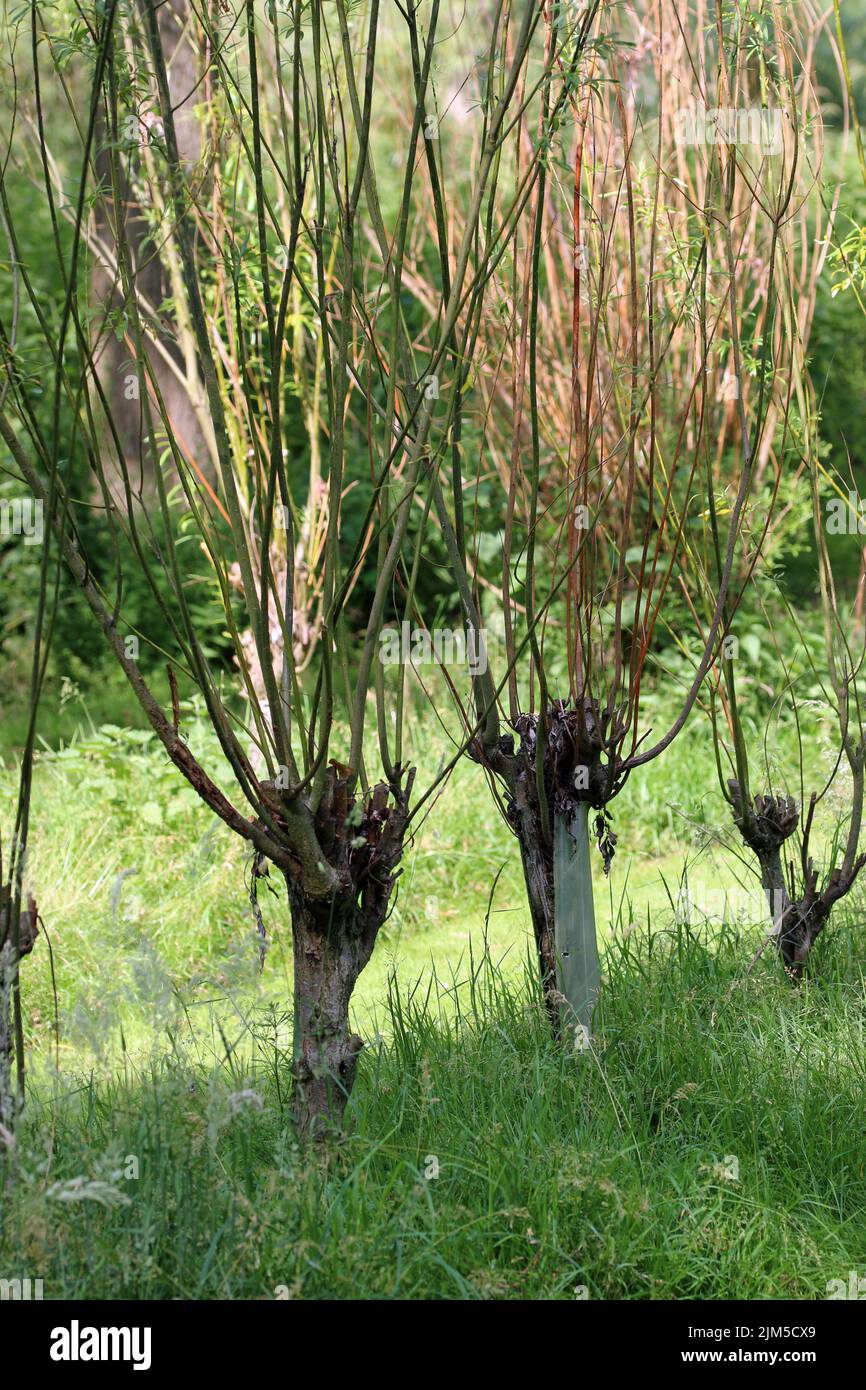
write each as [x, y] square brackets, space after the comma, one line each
[711, 1145]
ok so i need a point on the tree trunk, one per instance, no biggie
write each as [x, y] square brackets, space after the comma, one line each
[538, 876]
[577, 970]
[333, 935]
[792, 934]
[16, 942]
[556, 868]
[330, 951]
[181, 391]
[795, 923]
[765, 823]
[773, 884]
[8, 970]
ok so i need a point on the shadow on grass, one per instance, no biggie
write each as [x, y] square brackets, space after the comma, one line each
[711, 1144]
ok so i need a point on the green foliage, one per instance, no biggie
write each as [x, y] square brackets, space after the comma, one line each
[853, 14]
[78, 648]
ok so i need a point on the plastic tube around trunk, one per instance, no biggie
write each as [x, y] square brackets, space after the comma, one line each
[577, 970]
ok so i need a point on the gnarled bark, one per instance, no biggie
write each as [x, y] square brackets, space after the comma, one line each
[537, 861]
[331, 948]
[333, 936]
[765, 823]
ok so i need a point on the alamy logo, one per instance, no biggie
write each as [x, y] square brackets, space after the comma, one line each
[76, 1343]
[854, 1289]
[21, 516]
[846, 516]
[446, 646]
[729, 125]
[727, 904]
[20, 1290]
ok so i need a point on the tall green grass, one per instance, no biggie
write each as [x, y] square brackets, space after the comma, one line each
[710, 1145]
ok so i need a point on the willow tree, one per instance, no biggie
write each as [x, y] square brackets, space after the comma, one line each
[282, 251]
[635, 359]
[801, 822]
[803, 828]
